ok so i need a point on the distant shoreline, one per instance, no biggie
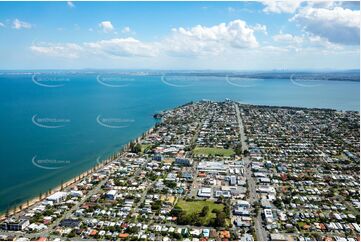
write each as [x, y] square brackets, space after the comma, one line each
[346, 75]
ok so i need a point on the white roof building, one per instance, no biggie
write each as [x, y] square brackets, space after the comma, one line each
[205, 192]
[57, 197]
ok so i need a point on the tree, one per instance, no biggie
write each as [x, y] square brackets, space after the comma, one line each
[245, 152]
[204, 211]
[238, 149]
[156, 205]
[170, 184]
[135, 148]
[220, 220]
[176, 211]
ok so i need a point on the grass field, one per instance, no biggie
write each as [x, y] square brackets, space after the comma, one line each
[196, 207]
[212, 151]
[145, 147]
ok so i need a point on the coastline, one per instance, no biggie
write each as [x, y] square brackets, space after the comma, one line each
[36, 199]
[16, 209]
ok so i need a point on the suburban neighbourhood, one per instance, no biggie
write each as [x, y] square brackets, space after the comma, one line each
[214, 171]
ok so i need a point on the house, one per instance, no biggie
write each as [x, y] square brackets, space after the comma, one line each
[111, 195]
[224, 234]
[187, 175]
[265, 204]
[243, 203]
[206, 233]
[75, 193]
[171, 177]
[247, 237]
[268, 215]
[225, 194]
[278, 237]
[241, 211]
[158, 157]
[183, 161]
[123, 236]
[232, 180]
[72, 223]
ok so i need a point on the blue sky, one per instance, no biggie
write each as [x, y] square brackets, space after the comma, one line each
[179, 35]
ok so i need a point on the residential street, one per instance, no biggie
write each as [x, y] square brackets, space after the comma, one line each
[261, 233]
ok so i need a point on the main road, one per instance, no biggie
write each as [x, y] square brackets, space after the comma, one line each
[261, 233]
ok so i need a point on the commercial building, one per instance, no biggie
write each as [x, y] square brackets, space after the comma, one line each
[205, 192]
[212, 167]
[57, 197]
[15, 225]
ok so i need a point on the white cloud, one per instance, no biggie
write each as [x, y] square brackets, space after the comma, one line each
[201, 40]
[288, 38]
[235, 38]
[196, 41]
[323, 43]
[260, 28]
[323, 4]
[2, 25]
[68, 50]
[337, 25]
[281, 6]
[231, 9]
[305, 42]
[70, 4]
[17, 24]
[106, 26]
[125, 47]
[126, 30]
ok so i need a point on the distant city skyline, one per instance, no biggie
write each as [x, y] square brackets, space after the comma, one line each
[180, 35]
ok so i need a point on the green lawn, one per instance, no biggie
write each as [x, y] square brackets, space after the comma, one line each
[212, 151]
[196, 207]
[145, 147]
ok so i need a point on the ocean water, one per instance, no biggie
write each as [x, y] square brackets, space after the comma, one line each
[53, 127]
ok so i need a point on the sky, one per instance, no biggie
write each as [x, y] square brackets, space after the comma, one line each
[180, 35]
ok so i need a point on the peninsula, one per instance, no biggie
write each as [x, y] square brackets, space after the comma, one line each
[213, 171]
